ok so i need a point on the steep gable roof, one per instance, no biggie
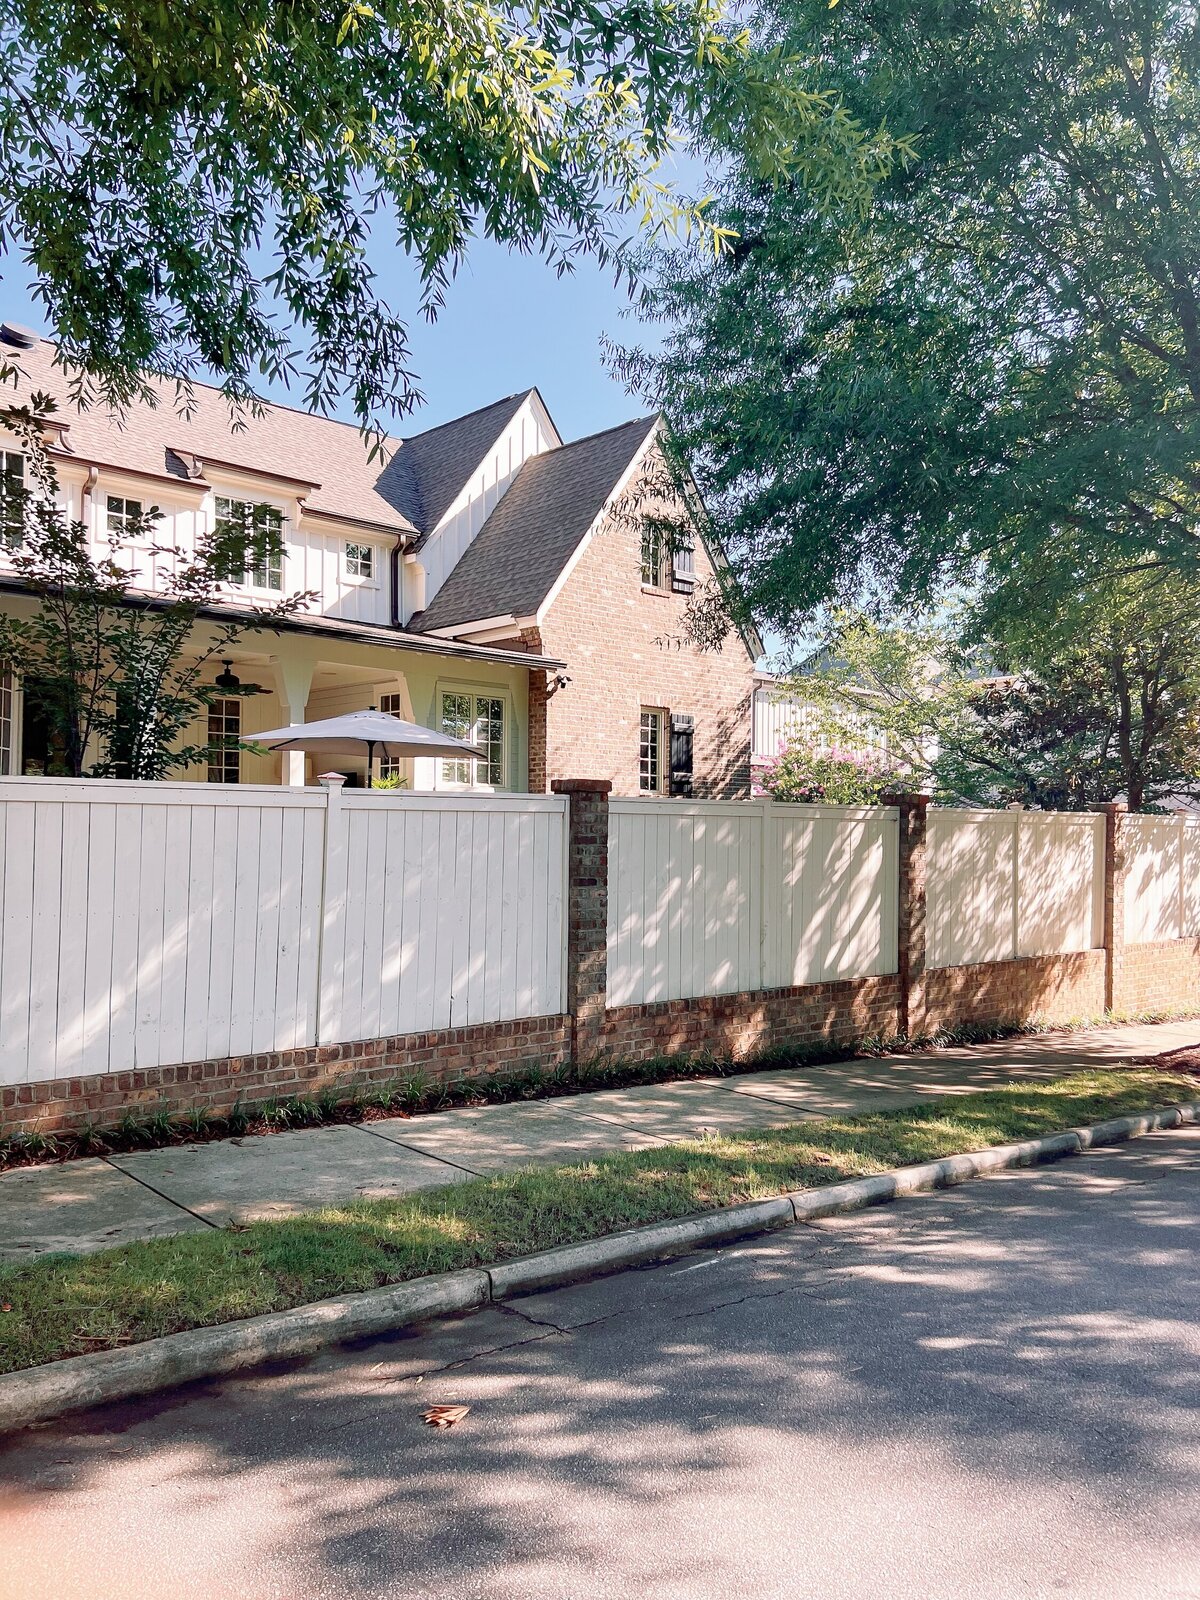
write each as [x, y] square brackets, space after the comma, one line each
[439, 461]
[513, 562]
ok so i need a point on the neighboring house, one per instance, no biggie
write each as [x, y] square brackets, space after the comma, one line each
[474, 578]
[779, 717]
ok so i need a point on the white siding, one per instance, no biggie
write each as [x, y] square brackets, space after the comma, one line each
[526, 435]
[1003, 884]
[712, 897]
[144, 925]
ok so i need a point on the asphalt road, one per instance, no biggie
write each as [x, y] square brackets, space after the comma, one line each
[987, 1392]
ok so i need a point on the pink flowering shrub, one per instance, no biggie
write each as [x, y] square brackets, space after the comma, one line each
[804, 774]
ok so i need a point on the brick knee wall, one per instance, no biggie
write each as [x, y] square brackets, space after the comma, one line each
[742, 1025]
[69, 1103]
[1049, 988]
[1164, 976]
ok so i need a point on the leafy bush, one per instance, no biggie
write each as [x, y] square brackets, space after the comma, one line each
[805, 774]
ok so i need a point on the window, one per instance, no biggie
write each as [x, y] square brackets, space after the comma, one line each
[8, 722]
[12, 498]
[224, 731]
[360, 562]
[654, 557]
[479, 719]
[393, 704]
[650, 766]
[259, 528]
[121, 513]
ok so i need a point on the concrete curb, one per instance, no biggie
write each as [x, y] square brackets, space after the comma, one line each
[39, 1393]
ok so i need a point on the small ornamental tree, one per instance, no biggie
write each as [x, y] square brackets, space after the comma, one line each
[804, 773]
[119, 675]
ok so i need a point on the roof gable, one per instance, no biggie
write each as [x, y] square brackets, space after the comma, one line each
[439, 462]
[517, 556]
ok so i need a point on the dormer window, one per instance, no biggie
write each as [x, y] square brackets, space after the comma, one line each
[360, 561]
[12, 498]
[261, 526]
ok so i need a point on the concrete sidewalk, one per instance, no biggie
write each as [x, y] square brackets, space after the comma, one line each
[96, 1203]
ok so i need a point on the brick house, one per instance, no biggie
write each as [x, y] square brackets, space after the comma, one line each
[474, 579]
[563, 568]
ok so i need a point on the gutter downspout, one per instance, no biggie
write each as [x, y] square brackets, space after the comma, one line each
[394, 563]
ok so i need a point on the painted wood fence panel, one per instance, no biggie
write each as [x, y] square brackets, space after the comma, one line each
[716, 897]
[144, 925]
[1004, 884]
[1162, 885]
[442, 911]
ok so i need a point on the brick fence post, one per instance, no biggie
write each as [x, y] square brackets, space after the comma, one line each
[910, 948]
[587, 910]
[1115, 812]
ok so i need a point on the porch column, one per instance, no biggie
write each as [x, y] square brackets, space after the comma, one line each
[587, 911]
[293, 679]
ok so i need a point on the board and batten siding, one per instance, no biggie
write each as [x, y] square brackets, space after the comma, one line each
[1007, 884]
[146, 925]
[717, 898]
[1162, 884]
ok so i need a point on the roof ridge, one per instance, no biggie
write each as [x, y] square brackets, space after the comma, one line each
[451, 422]
[633, 422]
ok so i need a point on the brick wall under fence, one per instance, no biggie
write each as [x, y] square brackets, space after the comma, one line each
[1062, 988]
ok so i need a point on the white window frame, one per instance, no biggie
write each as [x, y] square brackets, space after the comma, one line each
[391, 702]
[353, 551]
[250, 574]
[654, 543]
[662, 726]
[122, 516]
[10, 723]
[223, 760]
[476, 692]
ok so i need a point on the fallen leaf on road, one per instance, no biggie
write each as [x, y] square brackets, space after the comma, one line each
[445, 1416]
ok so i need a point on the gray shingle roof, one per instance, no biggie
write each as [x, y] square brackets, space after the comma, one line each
[410, 489]
[511, 565]
[440, 460]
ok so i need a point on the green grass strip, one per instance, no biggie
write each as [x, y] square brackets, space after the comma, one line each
[67, 1305]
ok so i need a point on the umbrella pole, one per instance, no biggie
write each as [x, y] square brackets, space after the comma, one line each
[370, 763]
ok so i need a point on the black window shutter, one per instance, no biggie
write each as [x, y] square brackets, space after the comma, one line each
[683, 568]
[681, 754]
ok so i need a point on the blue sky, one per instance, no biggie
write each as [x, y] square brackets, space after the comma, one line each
[509, 323]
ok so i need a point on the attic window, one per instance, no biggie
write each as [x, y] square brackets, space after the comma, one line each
[12, 498]
[360, 561]
[655, 565]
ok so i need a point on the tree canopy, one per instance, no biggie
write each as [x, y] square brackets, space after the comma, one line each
[207, 184]
[1002, 350]
[1058, 705]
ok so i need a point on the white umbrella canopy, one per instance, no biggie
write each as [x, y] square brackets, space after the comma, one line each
[347, 735]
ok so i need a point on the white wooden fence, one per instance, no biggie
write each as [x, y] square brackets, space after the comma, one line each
[711, 898]
[1162, 887]
[145, 924]
[1003, 884]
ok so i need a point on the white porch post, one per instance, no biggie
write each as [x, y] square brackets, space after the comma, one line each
[293, 678]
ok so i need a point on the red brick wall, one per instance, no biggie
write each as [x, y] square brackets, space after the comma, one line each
[743, 1025]
[1164, 976]
[627, 648]
[1050, 988]
[452, 1052]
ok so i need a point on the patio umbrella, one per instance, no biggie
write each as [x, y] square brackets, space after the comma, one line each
[373, 730]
